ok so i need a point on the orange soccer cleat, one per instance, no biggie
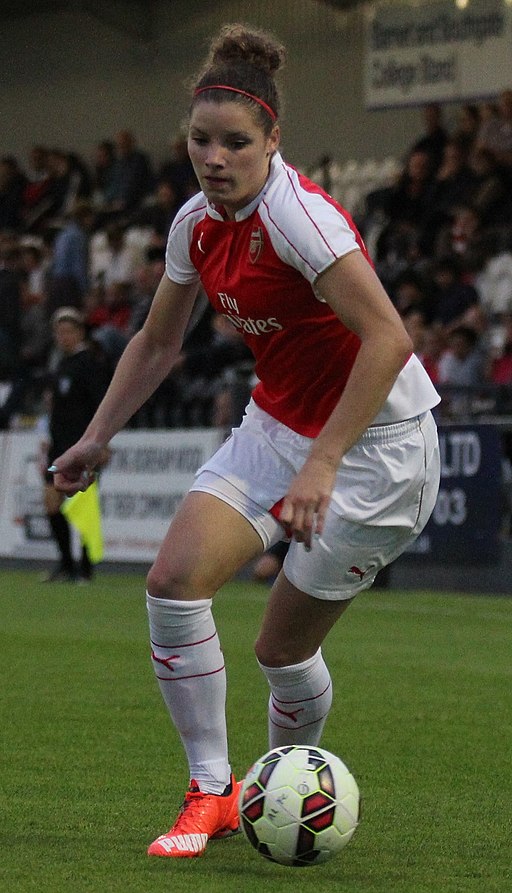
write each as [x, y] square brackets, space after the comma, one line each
[202, 817]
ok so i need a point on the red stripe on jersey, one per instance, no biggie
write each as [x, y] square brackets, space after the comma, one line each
[285, 237]
[309, 186]
[302, 181]
[180, 218]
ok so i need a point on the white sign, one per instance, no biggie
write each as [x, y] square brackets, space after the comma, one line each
[140, 490]
[24, 530]
[142, 486]
[436, 52]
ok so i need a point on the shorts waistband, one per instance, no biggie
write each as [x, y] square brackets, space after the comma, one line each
[395, 431]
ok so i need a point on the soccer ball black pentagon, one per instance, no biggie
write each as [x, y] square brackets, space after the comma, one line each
[299, 805]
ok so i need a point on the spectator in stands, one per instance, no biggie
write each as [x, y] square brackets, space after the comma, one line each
[34, 264]
[455, 299]
[405, 205]
[464, 237]
[467, 128]
[93, 306]
[215, 378]
[145, 282]
[32, 340]
[136, 180]
[496, 133]
[69, 182]
[76, 389]
[452, 187]
[106, 186]
[10, 325]
[119, 260]
[433, 347]
[491, 196]
[411, 291]
[500, 364]
[462, 363]
[462, 367]
[68, 274]
[159, 215]
[415, 324]
[36, 202]
[36, 332]
[118, 306]
[178, 170]
[232, 370]
[494, 282]
[112, 320]
[435, 135]
[488, 111]
[12, 185]
[37, 171]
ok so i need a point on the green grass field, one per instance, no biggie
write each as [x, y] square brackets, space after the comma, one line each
[92, 770]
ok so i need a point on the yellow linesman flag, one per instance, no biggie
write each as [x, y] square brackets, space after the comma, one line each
[83, 511]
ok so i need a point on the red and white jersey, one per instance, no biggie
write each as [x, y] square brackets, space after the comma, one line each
[259, 270]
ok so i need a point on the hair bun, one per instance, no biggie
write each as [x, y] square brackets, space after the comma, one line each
[237, 43]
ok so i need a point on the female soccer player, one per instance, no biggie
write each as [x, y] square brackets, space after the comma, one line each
[337, 450]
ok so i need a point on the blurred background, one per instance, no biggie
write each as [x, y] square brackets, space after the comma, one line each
[401, 111]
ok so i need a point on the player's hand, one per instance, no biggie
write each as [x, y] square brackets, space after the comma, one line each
[306, 503]
[75, 470]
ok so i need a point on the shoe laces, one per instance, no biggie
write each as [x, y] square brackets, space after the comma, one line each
[186, 821]
[194, 807]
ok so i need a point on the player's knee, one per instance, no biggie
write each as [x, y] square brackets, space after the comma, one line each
[177, 583]
[163, 583]
[278, 653]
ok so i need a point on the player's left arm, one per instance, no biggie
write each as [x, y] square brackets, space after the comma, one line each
[355, 293]
[352, 289]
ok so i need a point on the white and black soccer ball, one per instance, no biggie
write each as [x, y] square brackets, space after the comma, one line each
[299, 805]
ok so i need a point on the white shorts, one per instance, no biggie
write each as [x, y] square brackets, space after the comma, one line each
[385, 491]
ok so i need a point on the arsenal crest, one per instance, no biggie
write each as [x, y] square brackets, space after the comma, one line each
[256, 244]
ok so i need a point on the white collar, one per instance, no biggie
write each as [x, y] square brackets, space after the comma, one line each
[276, 163]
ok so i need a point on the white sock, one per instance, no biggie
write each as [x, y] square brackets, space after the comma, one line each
[300, 700]
[189, 667]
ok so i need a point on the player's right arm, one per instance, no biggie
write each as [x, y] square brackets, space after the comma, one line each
[146, 361]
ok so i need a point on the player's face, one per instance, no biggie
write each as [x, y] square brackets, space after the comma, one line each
[230, 153]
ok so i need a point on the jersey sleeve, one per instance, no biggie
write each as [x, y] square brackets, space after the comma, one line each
[308, 229]
[178, 265]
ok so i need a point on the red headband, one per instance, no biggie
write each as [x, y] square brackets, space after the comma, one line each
[242, 93]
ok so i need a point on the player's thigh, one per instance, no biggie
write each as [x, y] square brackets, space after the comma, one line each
[208, 541]
[294, 624]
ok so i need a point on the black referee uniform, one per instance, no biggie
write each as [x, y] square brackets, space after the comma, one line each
[77, 387]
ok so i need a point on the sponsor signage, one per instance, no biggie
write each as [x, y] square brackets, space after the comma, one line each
[466, 521]
[140, 490]
[433, 52]
[150, 472]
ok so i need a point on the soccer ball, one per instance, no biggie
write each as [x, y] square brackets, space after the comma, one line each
[299, 805]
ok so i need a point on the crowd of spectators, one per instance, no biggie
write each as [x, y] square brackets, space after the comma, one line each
[92, 236]
[442, 244]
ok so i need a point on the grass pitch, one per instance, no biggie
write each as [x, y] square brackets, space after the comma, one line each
[92, 770]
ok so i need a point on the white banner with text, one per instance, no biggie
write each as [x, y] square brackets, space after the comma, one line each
[436, 52]
[140, 490]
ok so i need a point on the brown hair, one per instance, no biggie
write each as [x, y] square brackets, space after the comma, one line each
[244, 61]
